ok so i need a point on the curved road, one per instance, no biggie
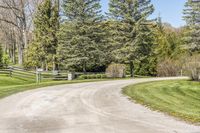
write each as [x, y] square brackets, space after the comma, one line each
[97, 107]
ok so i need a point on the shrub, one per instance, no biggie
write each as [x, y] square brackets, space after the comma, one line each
[6, 60]
[92, 76]
[103, 76]
[88, 76]
[192, 67]
[98, 76]
[116, 71]
[82, 77]
[168, 67]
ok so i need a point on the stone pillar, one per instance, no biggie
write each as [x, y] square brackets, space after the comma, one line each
[71, 76]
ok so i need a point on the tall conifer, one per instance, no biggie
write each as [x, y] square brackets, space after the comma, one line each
[81, 36]
[134, 34]
[42, 51]
[192, 18]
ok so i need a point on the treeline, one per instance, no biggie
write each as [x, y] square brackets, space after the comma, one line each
[75, 35]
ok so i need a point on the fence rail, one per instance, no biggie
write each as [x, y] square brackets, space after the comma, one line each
[34, 75]
[54, 76]
[40, 76]
[4, 71]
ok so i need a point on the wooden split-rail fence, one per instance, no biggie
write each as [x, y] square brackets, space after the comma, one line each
[37, 76]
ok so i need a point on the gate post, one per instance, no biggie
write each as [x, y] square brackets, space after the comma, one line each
[39, 75]
[71, 76]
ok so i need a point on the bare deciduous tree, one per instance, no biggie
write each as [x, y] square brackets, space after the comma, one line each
[16, 17]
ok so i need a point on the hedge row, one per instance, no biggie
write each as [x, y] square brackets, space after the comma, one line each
[93, 76]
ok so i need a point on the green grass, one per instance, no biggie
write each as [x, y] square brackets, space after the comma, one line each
[8, 81]
[177, 98]
[11, 85]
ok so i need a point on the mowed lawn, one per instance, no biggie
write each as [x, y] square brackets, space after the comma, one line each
[11, 85]
[8, 81]
[177, 98]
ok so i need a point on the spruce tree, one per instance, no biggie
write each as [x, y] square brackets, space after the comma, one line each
[81, 36]
[42, 51]
[192, 18]
[133, 35]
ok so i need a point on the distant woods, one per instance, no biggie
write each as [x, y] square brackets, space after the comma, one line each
[75, 35]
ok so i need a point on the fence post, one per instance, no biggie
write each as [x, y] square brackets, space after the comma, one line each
[71, 76]
[38, 75]
[10, 71]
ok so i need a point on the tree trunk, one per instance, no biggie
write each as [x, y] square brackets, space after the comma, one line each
[43, 65]
[46, 64]
[20, 54]
[131, 69]
[25, 38]
[24, 24]
[55, 63]
[13, 53]
[84, 68]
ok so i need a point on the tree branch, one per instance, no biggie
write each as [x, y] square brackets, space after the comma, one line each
[10, 22]
[9, 8]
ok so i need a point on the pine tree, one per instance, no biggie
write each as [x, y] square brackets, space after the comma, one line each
[81, 36]
[134, 33]
[192, 18]
[42, 51]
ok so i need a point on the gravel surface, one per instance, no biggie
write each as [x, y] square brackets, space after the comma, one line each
[97, 107]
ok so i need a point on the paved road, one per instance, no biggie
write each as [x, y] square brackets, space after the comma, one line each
[84, 108]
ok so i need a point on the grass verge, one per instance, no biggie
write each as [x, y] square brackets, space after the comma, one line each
[9, 86]
[179, 98]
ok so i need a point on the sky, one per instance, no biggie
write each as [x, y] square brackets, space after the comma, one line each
[169, 10]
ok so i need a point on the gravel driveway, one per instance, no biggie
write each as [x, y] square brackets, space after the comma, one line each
[97, 107]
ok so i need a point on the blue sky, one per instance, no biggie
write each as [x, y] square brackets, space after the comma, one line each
[170, 10]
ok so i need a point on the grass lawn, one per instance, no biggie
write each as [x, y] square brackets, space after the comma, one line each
[178, 98]
[9, 86]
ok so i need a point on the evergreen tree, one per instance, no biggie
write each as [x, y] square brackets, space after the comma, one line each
[169, 39]
[146, 57]
[162, 49]
[192, 18]
[81, 38]
[134, 34]
[42, 51]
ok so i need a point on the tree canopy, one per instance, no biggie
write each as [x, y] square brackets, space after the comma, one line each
[75, 35]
